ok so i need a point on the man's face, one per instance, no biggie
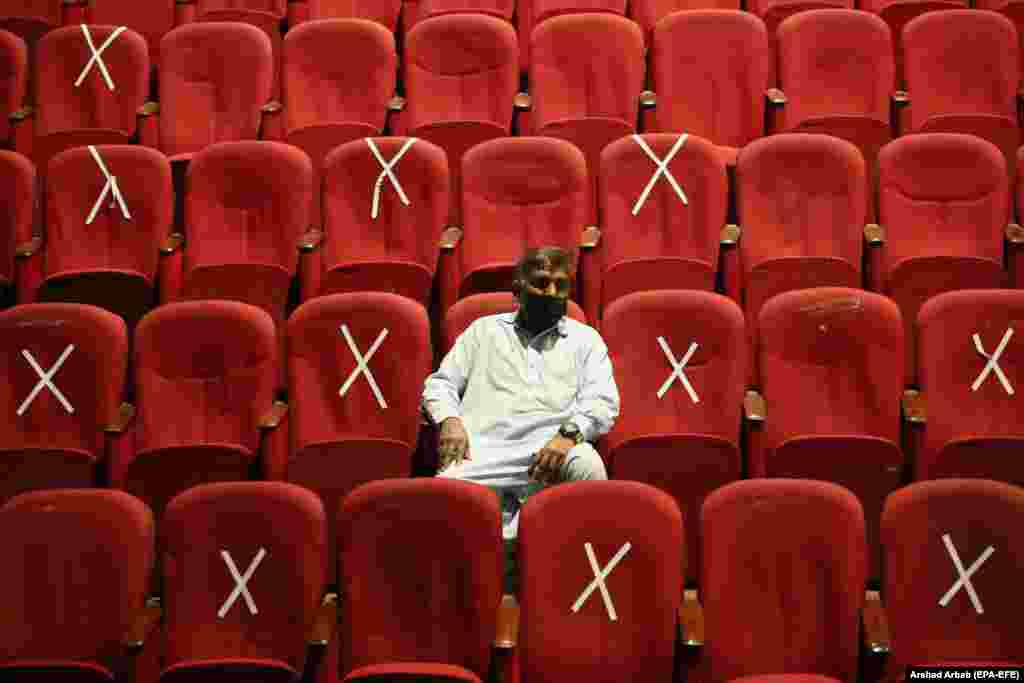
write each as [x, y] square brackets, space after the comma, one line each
[547, 280]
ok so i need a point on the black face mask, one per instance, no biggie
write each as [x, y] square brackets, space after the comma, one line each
[539, 311]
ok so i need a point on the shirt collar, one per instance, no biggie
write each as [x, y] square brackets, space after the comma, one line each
[560, 326]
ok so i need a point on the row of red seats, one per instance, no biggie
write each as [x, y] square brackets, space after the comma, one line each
[419, 584]
[204, 377]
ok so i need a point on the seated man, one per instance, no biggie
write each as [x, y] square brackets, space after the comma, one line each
[520, 395]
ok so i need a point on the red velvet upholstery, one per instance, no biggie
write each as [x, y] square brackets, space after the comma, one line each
[30, 19]
[531, 13]
[396, 251]
[276, 8]
[330, 101]
[837, 69]
[339, 442]
[774, 12]
[241, 519]
[970, 433]
[462, 314]
[17, 195]
[785, 602]
[46, 446]
[13, 79]
[214, 79]
[1014, 11]
[557, 644]
[411, 673]
[152, 19]
[831, 362]
[503, 9]
[944, 202]
[897, 14]
[205, 373]
[710, 69]
[73, 582]
[247, 204]
[112, 262]
[267, 20]
[517, 193]
[801, 201]
[684, 448]
[586, 75]
[668, 244]
[648, 13]
[420, 573]
[70, 116]
[958, 84]
[461, 77]
[975, 514]
[384, 12]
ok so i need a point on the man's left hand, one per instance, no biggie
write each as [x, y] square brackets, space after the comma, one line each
[547, 463]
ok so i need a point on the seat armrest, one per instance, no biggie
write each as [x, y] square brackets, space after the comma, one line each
[874, 234]
[914, 407]
[776, 97]
[148, 109]
[507, 635]
[691, 620]
[172, 243]
[271, 107]
[876, 626]
[754, 408]
[21, 114]
[591, 237]
[648, 99]
[730, 234]
[124, 419]
[522, 102]
[30, 248]
[450, 237]
[273, 418]
[143, 624]
[311, 240]
[322, 630]
[1014, 234]
[396, 103]
[901, 97]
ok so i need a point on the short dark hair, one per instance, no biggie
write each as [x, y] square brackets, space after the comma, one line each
[555, 258]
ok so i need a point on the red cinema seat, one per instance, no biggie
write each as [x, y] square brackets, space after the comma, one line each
[973, 417]
[270, 538]
[831, 366]
[516, 193]
[631, 535]
[532, 13]
[403, 672]
[1014, 11]
[266, 15]
[653, 236]
[710, 71]
[801, 204]
[502, 9]
[443, 612]
[782, 602]
[110, 261]
[56, 434]
[962, 73]
[31, 19]
[73, 585]
[924, 527]
[461, 77]
[465, 311]
[350, 426]
[13, 81]
[330, 101]
[897, 14]
[205, 373]
[17, 205]
[384, 12]
[152, 19]
[372, 240]
[586, 75]
[683, 438]
[648, 13]
[774, 12]
[944, 205]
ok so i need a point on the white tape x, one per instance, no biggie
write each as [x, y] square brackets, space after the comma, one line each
[599, 576]
[46, 380]
[110, 187]
[965, 575]
[662, 165]
[993, 362]
[362, 365]
[97, 56]
[677, 370]
[241, 582]
[388, 173]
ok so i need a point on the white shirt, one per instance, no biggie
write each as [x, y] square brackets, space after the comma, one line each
[513, 395]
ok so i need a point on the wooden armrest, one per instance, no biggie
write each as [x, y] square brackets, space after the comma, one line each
[874, 234]
[143, 623]
[754, 408]
[396, 103]
[27, 249]
[184, 2]
[901, 97]
[272, 107]
[648, 99]
[124, 418]
[172, 243]
[22, 114]
[914, 407]
[322, 630]
[775, 97]
[272, 419]
[508, 623]
[876, 626]
[148, 109]
[73, 2]
[730, 234]
[591, 237]
[691, 620]
[311, 239]
[1014, 233]
[522, 101]
[450, 237]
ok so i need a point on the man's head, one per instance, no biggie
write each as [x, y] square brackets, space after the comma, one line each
[542, 283]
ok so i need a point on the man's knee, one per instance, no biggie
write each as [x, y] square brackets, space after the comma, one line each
[583, 462]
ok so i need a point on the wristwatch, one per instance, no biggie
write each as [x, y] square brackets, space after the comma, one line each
[571, 430]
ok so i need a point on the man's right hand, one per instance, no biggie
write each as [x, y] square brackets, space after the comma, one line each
[453, 443]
